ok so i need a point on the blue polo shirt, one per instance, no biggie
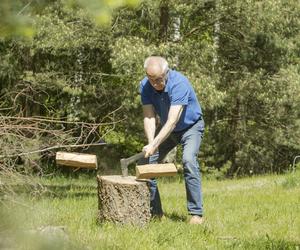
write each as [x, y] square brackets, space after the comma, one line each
[178, 91]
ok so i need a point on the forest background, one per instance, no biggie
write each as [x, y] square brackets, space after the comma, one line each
[70, 73]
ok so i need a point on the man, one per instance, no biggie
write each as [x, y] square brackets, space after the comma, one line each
[169, 94]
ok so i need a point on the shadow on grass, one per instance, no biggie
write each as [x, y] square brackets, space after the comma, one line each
[262, 243]
[69, 191]
[56, 191]
[176, 217]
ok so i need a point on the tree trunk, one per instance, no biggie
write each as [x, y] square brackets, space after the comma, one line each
[164, 21]
[235, 128]
[123, 200]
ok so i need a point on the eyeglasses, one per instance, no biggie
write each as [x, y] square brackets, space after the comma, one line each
[159, 79]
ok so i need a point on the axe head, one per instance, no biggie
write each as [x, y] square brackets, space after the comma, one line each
[126, 161]
[124, 167]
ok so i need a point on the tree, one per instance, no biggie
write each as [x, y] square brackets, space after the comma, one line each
[241, 57]
[256, 41]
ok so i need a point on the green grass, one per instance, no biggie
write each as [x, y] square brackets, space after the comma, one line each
[251, 213]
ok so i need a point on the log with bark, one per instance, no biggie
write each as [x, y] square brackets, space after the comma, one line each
[123, 200]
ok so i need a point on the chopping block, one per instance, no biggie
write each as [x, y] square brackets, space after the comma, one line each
[123, 200]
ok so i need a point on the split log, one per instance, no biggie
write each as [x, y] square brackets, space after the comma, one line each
[149, 171]
[123, 200]
[77, 160]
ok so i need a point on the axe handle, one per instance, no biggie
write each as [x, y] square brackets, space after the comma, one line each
[135, 157]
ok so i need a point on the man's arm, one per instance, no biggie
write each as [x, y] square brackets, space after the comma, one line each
[149, 122]
[173, 117]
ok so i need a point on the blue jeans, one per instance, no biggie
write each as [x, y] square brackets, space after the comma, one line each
[190, 139]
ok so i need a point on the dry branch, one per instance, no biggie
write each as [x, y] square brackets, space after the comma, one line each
[23, 136]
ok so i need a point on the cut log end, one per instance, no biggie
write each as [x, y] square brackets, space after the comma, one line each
[118, 179]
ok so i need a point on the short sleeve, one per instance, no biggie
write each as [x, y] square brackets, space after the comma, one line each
[179, 94]
[145, 95]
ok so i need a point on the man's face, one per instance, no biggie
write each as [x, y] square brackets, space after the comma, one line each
[157, 81]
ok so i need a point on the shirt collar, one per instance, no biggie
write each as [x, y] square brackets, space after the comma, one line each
[166, 89]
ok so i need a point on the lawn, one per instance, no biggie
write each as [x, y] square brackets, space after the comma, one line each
[250, 213]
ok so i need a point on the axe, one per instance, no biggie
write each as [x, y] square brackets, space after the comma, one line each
[126, 161]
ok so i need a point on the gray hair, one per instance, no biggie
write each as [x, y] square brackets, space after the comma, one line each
[162, 62]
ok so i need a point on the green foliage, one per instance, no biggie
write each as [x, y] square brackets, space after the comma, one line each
[292, 181]
[100, 11]
[212, 173]
[258, 113]
[17, 19]
[13, 20]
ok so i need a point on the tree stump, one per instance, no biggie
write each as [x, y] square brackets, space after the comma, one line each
[123, 200]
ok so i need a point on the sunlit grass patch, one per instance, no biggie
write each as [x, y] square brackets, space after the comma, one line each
[251, 213]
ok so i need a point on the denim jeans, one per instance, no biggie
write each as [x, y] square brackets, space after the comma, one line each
[190, 139]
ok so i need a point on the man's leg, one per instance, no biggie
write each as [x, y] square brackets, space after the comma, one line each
[165, 147]
[155, 203]
[191, 141]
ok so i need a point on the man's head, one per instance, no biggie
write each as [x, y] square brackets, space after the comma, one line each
[156, 68]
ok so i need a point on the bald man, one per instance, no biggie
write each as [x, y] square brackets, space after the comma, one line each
[169, 94]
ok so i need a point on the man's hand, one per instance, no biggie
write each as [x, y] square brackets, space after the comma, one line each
[149, 150]
[173, 117]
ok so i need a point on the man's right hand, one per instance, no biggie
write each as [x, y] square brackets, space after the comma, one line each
[149, 150]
